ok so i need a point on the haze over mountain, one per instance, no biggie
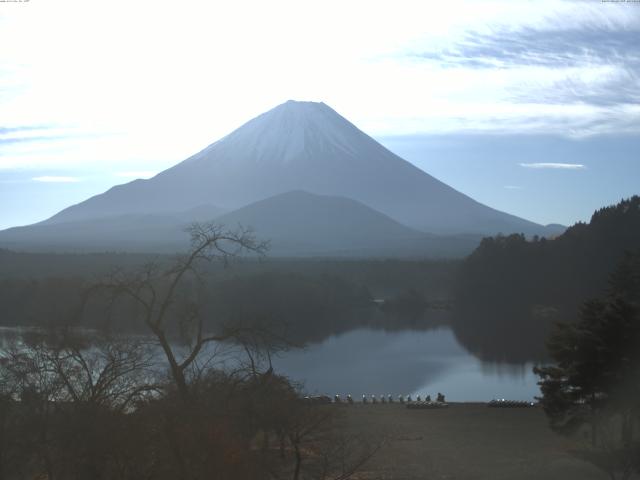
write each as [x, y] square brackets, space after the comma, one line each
[296, 223]
[302, 146]
[299, 174]
[301, 223]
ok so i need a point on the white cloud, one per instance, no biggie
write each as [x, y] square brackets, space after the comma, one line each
[210, 66]
[56, 179]
[559, 166]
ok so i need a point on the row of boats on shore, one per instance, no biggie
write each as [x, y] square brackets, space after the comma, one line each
[502, 403]
[410, 403]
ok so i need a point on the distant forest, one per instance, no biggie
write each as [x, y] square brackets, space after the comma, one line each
[304, 300]
[511, 290]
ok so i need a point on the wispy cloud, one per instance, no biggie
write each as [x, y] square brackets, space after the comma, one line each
[56, 179]
[18, 128]
[513, 187]
[6, 141]
[557, 166]
[579, 69]
[549, 47]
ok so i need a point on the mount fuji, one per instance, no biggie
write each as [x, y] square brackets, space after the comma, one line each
[295, 147]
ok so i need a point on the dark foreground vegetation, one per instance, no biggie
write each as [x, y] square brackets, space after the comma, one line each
[594, 381]
[72, 412]
[98, 405]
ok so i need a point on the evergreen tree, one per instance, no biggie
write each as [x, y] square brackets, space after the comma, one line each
[595, 378]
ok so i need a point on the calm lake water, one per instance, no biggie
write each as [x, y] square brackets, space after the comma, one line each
[404, 362]
[372, 361]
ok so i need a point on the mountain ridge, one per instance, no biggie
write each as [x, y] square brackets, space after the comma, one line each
[303, 146]
[297, 223]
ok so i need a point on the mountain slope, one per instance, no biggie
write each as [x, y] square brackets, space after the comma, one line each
[131, 232]
[296, 224]
[302, 146]
[300, 223]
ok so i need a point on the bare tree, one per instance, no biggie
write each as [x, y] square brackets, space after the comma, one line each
[167, 307]
[63, 390]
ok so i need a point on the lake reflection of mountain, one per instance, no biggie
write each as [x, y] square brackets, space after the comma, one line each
[403, 362]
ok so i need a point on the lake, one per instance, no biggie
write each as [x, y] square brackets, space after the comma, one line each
[367, 361]
[400, 362]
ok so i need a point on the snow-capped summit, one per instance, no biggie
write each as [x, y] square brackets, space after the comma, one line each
[285, 133]
[292, 131]
[302, 146]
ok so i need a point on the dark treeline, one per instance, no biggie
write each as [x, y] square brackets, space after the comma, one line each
[307, 300]
[287, 298]
[39, 265]
[383, 277]
[511, 290]
[304, 308]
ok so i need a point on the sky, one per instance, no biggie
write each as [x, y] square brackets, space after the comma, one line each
[529, 107]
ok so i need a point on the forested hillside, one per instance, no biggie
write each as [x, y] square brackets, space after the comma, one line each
[511, 290]
[306, 299]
